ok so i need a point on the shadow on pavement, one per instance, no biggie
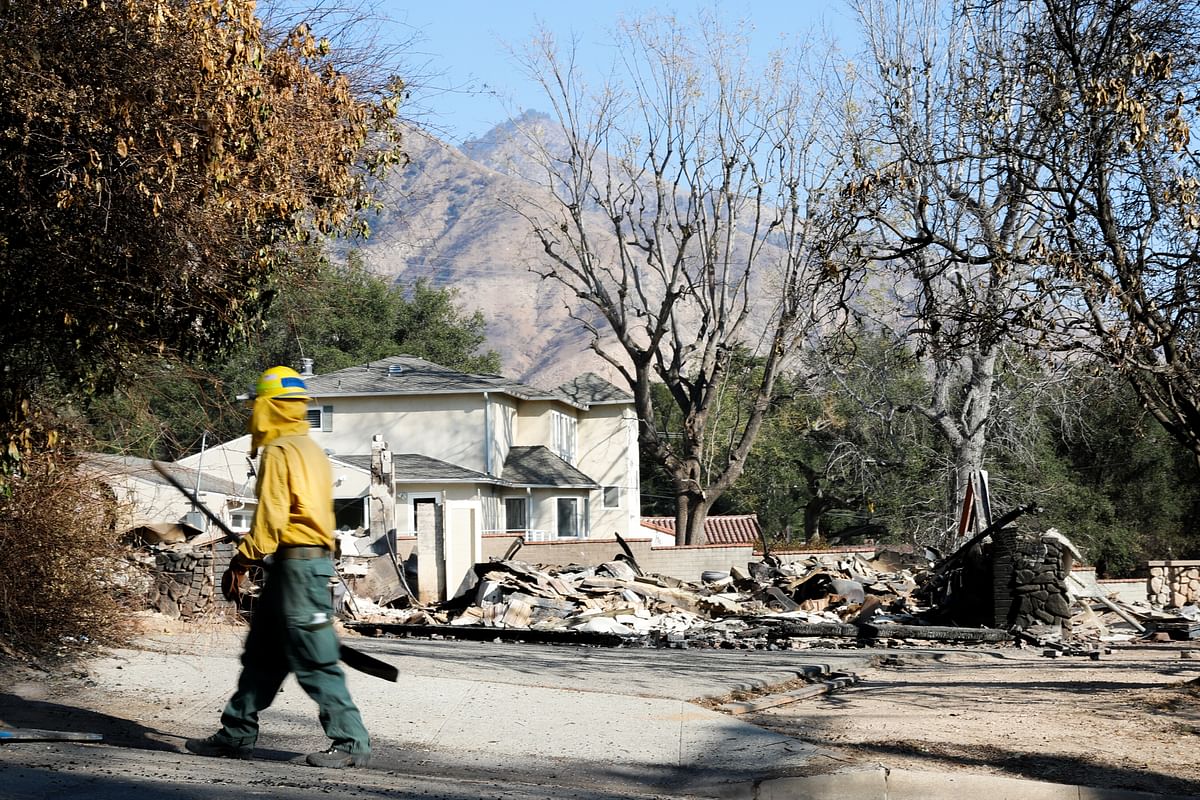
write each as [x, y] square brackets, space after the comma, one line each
[19, 712]
[1045, 767]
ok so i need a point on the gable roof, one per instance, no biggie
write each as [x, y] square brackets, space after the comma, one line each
[718, 529]
[409, 375]
[538, 466]
[416, 468]
[143, 469]
[591, 390]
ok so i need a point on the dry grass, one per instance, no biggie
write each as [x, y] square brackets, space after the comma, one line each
[61, 564]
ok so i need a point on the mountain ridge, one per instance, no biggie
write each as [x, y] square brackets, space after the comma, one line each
[448, 219]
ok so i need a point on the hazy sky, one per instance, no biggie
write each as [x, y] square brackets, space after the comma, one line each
[471, 81]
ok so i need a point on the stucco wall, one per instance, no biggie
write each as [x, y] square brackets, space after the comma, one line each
[563, 552]
[447, 427]
[503, 425]
[228, 461]
[602, 455]
[533, 422]
[685, 563]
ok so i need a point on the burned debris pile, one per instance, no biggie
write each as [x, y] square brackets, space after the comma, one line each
[1006, 584]
[770, 604]
[1003, 585]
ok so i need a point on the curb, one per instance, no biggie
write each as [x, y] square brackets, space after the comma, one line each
[810, 672]
[836, 680]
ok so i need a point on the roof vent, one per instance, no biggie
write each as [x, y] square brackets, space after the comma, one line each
[395, 369]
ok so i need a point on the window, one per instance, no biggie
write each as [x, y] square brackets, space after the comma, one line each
[563, 430]
[321, 418]
[568, 517]
[350, 512]
[572, 518]
[516, 514]
[240, 521]
[612, 497]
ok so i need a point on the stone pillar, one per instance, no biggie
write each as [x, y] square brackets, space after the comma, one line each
[431, 549]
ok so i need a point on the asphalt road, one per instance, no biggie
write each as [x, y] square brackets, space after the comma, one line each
[466, 720]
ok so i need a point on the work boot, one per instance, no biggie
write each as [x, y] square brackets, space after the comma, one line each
[337, 759]
[219, 747]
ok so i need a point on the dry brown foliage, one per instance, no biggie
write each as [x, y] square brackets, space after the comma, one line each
[61, 563]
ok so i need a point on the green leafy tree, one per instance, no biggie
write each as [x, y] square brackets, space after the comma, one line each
[341, 315]
[1115, 481]
[836, 458]
[430, 325]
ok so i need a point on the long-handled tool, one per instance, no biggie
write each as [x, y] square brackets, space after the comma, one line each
[355, 659]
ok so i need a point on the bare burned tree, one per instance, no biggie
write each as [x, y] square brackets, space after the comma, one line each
[1117, 83]
[944, 149]
[691, 213]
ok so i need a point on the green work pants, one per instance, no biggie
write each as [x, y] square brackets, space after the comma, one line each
[291, 630]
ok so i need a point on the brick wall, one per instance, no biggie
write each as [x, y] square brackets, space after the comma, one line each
[688, 562]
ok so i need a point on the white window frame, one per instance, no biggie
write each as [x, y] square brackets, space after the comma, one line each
[240, 527]
[564, 433]
[581, 517]
[320, 418]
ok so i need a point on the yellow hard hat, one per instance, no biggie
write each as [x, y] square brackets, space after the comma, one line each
[281, 382]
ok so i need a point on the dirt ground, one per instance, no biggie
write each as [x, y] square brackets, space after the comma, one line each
[1130, 720]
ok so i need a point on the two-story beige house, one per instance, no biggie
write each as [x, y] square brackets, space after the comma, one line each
[469, 456]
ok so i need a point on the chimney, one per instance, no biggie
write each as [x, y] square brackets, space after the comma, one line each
[306, 366]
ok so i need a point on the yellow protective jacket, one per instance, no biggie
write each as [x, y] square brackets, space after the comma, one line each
[295, 482]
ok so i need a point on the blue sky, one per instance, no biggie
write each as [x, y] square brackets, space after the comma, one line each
[472, 84]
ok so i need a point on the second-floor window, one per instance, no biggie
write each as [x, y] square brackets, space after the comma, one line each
[563, 436]
[320, 418]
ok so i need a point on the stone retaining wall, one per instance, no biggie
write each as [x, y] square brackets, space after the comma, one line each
[185, 580]
[1173, 583]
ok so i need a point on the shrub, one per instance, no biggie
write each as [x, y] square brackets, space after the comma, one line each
[61, 565]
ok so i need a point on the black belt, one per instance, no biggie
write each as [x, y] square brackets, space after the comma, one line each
[302, 551]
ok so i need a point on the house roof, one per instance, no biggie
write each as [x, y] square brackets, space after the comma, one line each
[416, 468]
[409, 375]
[591, 390]
[539, 466]
[718, 529]
[143, 469]
[526, 466]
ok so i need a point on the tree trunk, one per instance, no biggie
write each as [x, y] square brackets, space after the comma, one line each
[691, 506]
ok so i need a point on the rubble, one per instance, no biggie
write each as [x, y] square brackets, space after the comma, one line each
[771, 604]
[1002, 585]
